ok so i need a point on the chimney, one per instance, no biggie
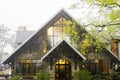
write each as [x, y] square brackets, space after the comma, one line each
[22, 28]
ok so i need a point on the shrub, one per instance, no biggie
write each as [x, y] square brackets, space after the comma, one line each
[28, 77]
[15, 77]
[43, 76]
[82, 75]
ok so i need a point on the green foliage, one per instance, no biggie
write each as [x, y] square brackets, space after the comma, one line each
[16, 77]
[104, 2]
[71, 30]
[82, 75]
[28, 77]
[43, 76]
[85, 42]
[112, 5]
[109, 2]
[114, 15]
[97, 39]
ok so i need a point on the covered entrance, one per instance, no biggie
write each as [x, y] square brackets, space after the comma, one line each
[62, 60]
[63, 70]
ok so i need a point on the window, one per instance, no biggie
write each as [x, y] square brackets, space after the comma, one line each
[98, 66]
[63, 70]
[95, 66]
[105, 67]
[28, 66]
[56, 33]
[44, 46]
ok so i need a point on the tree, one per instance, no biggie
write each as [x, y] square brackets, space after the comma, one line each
[4, 40]
[110, 9]
[85, 42]
[103, 27]
[113, 9]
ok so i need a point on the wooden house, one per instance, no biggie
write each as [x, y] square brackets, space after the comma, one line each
[46, 49]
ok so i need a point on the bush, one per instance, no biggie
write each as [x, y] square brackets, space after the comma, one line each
[16, 77]
[43, 76]
[82, 75]
[28, 77]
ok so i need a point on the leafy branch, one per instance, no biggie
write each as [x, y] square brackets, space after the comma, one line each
[102, 26]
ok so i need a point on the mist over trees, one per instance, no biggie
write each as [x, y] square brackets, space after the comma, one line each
[5, 40]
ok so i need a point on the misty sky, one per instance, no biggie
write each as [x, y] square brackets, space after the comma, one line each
[29, 13]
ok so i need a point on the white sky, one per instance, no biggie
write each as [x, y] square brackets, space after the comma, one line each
[34, 13]
[29, 13]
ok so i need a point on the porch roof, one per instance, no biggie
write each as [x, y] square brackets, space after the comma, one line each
[112, 55]
[69, 45]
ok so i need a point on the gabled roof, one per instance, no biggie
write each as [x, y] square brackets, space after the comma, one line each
[21, 36]
[116, 58]
[112, 55]
[68, 45]
[61, 13]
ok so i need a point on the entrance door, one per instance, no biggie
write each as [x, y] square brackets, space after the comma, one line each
[63, 70]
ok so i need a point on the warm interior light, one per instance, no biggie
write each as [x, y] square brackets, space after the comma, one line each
[96, 61]
[61, 61]
[44, 50]
[50, 31]
[62, 67]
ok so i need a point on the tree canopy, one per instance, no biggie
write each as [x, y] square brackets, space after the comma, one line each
[102, 28]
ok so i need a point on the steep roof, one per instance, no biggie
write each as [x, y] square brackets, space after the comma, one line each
[112, 55]
[61, 13]
[21, 36]
[66, 45]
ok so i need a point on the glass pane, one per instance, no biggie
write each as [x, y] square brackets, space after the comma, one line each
[60, 21]
[28, 61]
[22, 61]
[44, 46]
[50, 42]
[50, 31]
[56, 33]
[19, 68]
[105, 67]
[32, 68]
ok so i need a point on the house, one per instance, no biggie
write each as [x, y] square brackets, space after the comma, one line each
[52, 50]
